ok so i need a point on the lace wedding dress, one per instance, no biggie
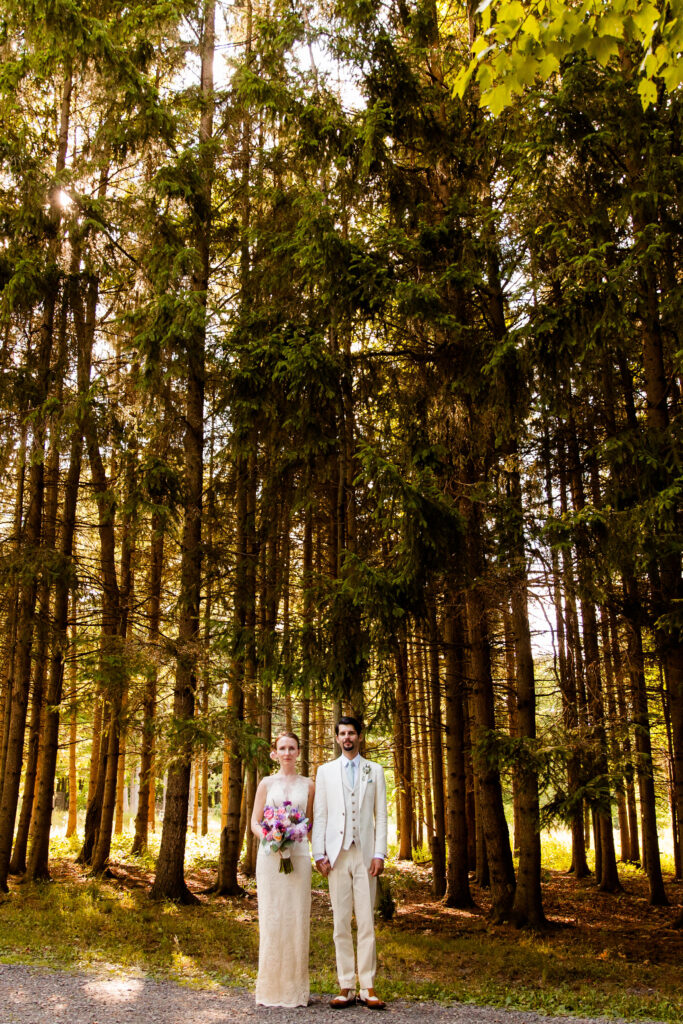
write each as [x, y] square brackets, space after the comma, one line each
[284, 911]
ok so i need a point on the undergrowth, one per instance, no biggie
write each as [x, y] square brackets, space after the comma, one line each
[600, 962]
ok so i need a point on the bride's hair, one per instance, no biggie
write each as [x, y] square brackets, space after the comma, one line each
[285, 735]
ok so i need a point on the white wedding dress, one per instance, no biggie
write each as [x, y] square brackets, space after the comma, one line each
[284, 911]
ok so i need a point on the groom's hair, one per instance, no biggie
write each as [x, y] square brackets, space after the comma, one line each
[349, 720]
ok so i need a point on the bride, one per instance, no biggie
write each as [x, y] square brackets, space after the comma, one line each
[284, 899]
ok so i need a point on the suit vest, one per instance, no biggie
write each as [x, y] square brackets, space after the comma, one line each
[352, 808]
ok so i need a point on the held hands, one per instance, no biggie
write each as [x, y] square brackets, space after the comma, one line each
[323, 866]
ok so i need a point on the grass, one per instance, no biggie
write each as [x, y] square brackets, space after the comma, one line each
[611, 956]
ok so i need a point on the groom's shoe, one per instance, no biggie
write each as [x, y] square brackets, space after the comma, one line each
[368, 998]
[345, 998]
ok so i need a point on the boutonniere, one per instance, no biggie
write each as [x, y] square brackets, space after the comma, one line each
[367, 772]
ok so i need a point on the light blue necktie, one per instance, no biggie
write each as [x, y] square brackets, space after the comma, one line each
[352, 772]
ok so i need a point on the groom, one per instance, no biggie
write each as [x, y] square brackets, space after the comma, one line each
[349, 847]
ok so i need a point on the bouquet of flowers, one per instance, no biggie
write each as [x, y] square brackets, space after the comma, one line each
[281, 827]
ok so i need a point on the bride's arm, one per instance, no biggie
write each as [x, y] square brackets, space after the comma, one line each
[259, 805]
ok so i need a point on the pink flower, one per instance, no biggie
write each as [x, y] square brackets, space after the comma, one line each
[281, 827]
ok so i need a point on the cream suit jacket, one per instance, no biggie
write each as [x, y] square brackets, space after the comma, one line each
[329, 811]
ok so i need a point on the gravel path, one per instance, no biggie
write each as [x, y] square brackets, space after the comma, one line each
[36, 996]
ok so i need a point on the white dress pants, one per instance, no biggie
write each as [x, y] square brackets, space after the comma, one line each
[352, 890]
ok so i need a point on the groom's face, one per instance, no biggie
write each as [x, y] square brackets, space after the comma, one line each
[348, 739]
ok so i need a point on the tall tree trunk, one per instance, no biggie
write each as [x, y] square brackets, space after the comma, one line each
[490, 804]
[608, 877]
[403, 751]
[38, 863]
[114, 626]
[146, 795]
[230, 842]
[610, 648]
[419, 767]
[13, 600]
[668, 591]
[573, 699]
[527, 908]
[625, 717]
[72, 823]
[27, 592]
[457, 872]
[644, 763]
[169, 882]
[675, 824]
[423, 707]
[209, 525]
[511, 701]
[96, 743]
[435, 734]
[250, 683]
[26, 603]
[44, 593]
[18, 861]
[31, 777]
[93, 811]
[307, 635]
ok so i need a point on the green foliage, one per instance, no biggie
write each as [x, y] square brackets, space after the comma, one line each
[518, 44]
[422, 528]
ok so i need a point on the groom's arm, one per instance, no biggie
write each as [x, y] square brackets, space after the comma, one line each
[320, 824]
[380, 810]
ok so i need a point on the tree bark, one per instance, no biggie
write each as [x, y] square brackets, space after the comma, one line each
[28, 589]
[527, 908]
[457, 872]
[644, 763]
[72, 823]
[403, 751]
[668, 591]
[146, 795]
[608, 877]
[27, 604]
[573, 699]
[112, 656]
[490, 804]
[435, 735]
[11, 629]
[422, 707]
[31, 775]
[169, 882]
[227, 883]
[38, 861]
[510, 700]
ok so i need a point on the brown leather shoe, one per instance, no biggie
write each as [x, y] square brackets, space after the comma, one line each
[370, 1000]
[344, 999]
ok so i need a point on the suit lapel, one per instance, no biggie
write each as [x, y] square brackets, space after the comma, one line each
[363, 780]
[340, 774]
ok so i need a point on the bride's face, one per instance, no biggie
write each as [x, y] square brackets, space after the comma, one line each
[286, 752]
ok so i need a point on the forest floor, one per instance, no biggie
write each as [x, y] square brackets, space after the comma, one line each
[604, 956]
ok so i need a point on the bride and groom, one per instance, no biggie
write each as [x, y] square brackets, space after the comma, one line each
[348, 808]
